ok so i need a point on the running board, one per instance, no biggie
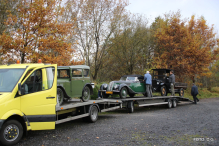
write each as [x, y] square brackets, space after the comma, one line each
[109, 109]
[152, 104]
[71, 118]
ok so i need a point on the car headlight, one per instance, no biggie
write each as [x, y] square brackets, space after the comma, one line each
[115, 86]
[105, 86]
[158, 83]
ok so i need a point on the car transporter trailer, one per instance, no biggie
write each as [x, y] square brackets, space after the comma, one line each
[142, 101]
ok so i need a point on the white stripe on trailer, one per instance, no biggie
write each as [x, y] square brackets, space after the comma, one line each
[153, 104]
[71, 118]
[109, 109]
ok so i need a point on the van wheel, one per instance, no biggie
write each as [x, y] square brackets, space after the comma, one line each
[60, 95]
[11, 132]
[93, 116]
[86, 94]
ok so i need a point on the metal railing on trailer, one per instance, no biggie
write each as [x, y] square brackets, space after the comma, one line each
[75, 110]
[141, 101]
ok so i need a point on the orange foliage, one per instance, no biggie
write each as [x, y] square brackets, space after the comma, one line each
[40, 34]
[186, 47]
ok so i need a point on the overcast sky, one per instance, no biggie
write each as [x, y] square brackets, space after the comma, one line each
[153, 8]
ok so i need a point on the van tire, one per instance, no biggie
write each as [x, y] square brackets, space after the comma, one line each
[14, 131]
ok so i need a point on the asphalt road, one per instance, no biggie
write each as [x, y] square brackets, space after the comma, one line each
[187, 124]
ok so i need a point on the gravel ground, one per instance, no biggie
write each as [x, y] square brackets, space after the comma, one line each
[187, 124]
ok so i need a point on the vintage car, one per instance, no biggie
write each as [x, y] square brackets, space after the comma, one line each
[127, 85]
[74, 81]
[160, 83]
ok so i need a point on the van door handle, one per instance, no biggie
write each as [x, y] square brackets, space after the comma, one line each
[50, 97]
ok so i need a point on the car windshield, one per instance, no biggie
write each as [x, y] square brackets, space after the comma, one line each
[127, 79]
[9, 78]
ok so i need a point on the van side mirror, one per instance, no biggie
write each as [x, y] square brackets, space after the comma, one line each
[21, 90]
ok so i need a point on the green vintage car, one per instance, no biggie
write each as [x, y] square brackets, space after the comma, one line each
[127, 85]
[74, 81]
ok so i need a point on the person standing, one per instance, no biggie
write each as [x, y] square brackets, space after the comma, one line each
[172, 82]
[194, 93]
[148, 82]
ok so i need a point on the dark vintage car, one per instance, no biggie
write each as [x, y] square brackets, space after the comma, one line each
[127, 85]
[160, 83]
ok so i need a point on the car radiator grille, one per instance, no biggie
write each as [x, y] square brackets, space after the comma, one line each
[110, 87]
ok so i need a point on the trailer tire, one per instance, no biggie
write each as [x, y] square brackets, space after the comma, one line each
[163, 91]
[181, 92]
[14, 135]
[170, 103]
[174, 103]
[130, 107]
[93, 114]
[60, 95]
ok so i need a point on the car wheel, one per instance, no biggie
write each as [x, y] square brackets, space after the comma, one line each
[105, 95]
[86, 94]
[170, 103]
[11, 132]
[163, 91]
[60, 95]
[174, 103]
[181, 92]
[123, 92]
[131, 94]
[93, 116]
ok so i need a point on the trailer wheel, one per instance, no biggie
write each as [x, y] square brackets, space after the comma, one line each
[170, 103]
[60, 95]
[130, 107]
[93, 116]
[11, 132]
[181, 92]
[174, 103]
[86, 94]
[163, 91]
[123, 92]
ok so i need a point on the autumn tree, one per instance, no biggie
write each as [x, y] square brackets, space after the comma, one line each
[96, 20]
[128, 51]
[187, 47]
[40, 34]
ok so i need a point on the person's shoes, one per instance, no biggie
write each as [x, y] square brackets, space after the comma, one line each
[99, 98]
[194, 103]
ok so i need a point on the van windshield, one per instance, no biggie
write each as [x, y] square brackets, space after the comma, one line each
[9, 78]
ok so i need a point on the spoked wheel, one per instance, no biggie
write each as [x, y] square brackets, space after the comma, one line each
[123, 92]
[11, 132]
[181, 92]
[163, 91]
[93, 116]
[60, 95]
[86, 94]
[174, 103]
[169, 103]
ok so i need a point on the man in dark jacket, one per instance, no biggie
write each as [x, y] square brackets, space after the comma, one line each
[172, 82]
[194, 93]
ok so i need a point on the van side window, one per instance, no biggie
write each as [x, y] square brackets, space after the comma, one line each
[76, 72]
[34, 82]
[86, 73]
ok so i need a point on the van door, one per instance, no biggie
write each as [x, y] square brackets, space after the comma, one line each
[39, 101]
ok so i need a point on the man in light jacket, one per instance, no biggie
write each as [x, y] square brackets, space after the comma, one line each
[148, 82]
